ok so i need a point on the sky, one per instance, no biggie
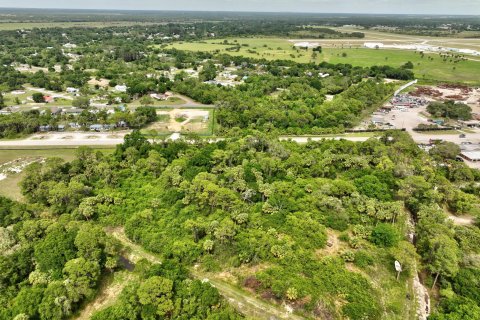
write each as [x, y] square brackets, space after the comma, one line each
[471, 7]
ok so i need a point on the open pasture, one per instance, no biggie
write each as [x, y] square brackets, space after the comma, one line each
[430, 67]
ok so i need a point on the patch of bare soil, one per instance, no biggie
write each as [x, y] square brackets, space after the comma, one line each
[333, 245]
[100, 82]
[462, 220]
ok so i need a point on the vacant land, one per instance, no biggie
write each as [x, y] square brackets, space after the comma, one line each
[15, 159]
[429, 67]
[199, 121]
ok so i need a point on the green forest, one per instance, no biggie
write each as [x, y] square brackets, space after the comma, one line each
[289, 196]
[264, 208]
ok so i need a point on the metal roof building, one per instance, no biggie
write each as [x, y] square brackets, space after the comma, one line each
[471, 155]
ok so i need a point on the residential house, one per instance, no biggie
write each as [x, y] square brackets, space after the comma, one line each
[72, 111]
[48, 99]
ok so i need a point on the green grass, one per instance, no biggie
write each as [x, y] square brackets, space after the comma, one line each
[424, 69]
[440, 132]
[10, 98]
[180, 119]
[174, 101]
[393, 293]
[278, 48]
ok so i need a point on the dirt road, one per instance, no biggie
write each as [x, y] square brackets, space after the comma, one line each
[462, 220]
[243, 301]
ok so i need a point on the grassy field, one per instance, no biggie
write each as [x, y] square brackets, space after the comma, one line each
[465, 40]
[174, 101]
[277, 48]
[86, 24]
[9, 186]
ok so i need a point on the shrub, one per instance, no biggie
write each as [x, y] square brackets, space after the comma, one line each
[384, 235]
[363, 259]
[348, 256]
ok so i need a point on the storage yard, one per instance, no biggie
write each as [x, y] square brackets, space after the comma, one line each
[409, 111]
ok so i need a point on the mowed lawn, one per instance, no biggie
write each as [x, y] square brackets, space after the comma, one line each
[276, 48]
[464, 71]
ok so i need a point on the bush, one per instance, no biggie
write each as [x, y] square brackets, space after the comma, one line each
[344, 237]
[384, 235]
[348, 256]
[363, 259]
[337, 221]
[38, 97]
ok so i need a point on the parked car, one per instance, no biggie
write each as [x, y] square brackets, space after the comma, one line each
[463, 135]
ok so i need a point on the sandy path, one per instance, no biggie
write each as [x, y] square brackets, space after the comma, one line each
[462, 220]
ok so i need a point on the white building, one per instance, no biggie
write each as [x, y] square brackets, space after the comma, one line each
[373, 45]
[309, 45]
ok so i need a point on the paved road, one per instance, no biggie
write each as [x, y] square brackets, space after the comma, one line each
[114, 138]
[300, 139]
[67, 139]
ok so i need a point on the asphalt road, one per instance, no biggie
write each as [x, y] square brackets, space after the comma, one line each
[67, 139]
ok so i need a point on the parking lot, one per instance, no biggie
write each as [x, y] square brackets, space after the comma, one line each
[402, 116]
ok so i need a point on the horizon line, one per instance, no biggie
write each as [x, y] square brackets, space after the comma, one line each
[245, 11]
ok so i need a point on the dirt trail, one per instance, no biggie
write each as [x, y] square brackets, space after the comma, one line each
[244, 302]
[247, 304]
[107, 296]
[462, 221]
[112, 289]
[136, 252]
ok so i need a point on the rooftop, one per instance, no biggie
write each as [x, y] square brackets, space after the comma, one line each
[471, 155]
